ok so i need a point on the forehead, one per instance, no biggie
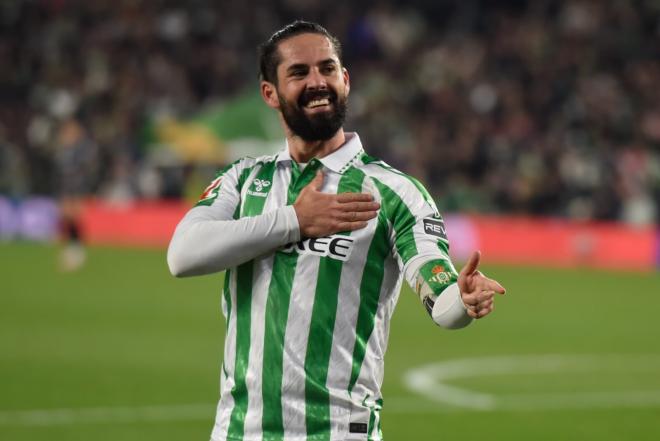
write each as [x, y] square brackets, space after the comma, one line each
[306, 49]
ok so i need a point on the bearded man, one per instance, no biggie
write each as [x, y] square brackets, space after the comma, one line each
[316, 241]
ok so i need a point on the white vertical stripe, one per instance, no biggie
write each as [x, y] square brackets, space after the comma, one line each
[260, 281]
[226, 402]
[371, 374]
[295, 347]
[297, 334]
[261, 278]
[344, 333]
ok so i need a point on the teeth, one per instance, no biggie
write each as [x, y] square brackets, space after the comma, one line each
[316, 103]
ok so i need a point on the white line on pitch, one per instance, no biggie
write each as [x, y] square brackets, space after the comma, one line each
[155, 413]
[94, 415]
[430, 381]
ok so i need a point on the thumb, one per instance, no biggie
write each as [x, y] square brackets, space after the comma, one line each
[469, 269]
[317, 182]
[472, 264]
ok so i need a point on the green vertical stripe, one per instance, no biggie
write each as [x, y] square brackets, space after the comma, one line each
[379, 406]
[239, 391]
[319, 346]
[402, 220]
[277, 311]
[227, 296]
[370, 427]
[253, 206]
[372, 279]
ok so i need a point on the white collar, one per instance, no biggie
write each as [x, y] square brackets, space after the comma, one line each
[337, 161]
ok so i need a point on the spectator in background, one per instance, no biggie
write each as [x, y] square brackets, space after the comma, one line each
[76, 162]
[526, 107]
[13, 175]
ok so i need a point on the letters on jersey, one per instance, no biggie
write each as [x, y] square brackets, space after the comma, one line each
[337, 246]
[435, 227]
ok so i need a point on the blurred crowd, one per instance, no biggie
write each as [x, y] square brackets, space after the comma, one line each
[520, 107]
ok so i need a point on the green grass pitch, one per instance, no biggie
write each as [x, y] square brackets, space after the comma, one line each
[122, 351]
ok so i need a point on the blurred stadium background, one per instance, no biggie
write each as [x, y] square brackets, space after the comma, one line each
[534, 124]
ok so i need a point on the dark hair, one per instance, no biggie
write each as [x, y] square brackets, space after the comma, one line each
[269, 57]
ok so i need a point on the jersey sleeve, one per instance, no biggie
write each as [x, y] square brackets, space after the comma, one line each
[421, 247]
[418, 230]
[224, 189]
[212, 236]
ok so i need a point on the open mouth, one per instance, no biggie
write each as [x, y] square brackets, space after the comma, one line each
[318, 103]
[317, 100]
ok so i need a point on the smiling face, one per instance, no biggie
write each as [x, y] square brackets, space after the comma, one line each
[311, 88]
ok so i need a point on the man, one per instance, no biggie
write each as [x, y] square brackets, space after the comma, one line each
[316, 241]
[76, 166]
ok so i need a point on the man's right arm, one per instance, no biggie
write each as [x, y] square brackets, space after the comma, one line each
[209, 240]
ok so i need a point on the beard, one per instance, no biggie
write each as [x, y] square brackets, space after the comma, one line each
[320, 126]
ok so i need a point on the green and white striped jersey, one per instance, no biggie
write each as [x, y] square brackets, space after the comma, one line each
[308, 320]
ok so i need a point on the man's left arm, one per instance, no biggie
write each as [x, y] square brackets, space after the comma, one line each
[452, 299]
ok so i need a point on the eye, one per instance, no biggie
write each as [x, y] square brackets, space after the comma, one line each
[328, 69]
[298, 73]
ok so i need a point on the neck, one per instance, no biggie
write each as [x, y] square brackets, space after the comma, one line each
[303, 151]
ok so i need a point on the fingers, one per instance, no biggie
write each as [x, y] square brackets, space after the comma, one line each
[483, 283]
[478, 297]
[352, 216]
[482, 312]
[359, 206]
[498, 288]
[354, 197]
[351, 226]
[479, 304]
[356, 211]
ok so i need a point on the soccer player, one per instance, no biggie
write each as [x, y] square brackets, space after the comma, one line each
[76, 164]
[316, 241]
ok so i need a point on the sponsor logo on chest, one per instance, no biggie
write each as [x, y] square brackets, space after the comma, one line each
[337, 247]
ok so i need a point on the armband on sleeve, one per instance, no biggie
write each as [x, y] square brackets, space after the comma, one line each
[435, 284]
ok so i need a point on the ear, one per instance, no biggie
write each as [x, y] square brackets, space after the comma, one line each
[347, 80]
[269, 94]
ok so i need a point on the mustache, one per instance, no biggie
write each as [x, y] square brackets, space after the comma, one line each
[311, 95]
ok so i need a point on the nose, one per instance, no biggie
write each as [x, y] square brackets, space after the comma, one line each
[316, 80]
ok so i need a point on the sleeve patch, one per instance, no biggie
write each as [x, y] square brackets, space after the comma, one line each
[211, 192]
[435, 227]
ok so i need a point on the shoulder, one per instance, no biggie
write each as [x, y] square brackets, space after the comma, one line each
[244, 165]
[252, 161]
[396, 185]
[394, 179]
[381, 170]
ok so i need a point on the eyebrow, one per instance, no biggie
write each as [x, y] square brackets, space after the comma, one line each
[297, 66]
